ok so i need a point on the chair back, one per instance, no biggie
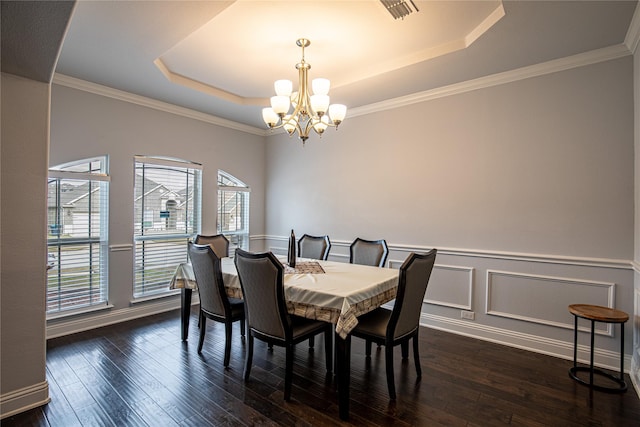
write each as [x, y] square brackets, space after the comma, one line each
[261, 279]
[369, 252]
[219, 243]
[315, 247]
[412, 285]
[206, 269]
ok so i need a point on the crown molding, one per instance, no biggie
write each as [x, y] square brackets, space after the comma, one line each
[554, 66]
[74, 83]
[633, 33]
[206, 88]
[549, 67]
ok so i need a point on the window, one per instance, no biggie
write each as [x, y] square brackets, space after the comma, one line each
[233, 211]
[77, 246]
[167, 214]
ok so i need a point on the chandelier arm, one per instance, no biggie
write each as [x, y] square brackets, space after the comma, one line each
[296, 110]
[303, 133]
[308, 127]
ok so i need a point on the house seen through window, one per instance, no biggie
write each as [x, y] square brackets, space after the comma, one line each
[233, 211]
[167, 213]
[77, 238]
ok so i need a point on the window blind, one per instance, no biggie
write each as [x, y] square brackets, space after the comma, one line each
[166, 215]
[77, 219]
[233, 211]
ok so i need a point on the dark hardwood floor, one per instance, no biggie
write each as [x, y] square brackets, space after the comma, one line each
[139, 373]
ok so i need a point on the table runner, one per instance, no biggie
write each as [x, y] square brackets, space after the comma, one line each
[304, 267]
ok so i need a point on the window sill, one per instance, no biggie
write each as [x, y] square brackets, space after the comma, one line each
[78, 312]
[154, 297]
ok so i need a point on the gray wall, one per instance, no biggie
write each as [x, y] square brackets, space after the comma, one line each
[636, 317]
[84, 125]
[25, 136]
[525, 187]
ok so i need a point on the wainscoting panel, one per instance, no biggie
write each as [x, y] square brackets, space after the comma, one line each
[525, 297]
[451, 286]
[519, 299]
[544, 299]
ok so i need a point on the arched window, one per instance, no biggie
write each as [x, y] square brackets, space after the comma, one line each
[166, 215]
[233, 211]
[77, 238]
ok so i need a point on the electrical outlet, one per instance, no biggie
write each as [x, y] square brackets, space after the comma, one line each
[469, 315]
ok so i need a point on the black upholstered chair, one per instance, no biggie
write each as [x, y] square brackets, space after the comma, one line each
[315, 247]
[369, 252]
[214, 302]
[219, 243]
[398, 326]
[262, 281]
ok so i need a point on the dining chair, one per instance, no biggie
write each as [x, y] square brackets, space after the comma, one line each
[262, 281]
[314, 247]
[220, 245]
[214, 302]
[392, 327]
[218, 242]
[368, 252]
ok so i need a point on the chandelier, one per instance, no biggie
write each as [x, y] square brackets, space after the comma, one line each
[310, 111]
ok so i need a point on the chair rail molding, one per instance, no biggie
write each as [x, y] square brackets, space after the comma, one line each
[622, 264]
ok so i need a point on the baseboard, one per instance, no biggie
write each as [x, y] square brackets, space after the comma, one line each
[23, 399]
[72, 326]
[635, 375]
[603, 358]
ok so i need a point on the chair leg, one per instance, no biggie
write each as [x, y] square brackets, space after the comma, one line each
[203, 329]
[312, 343]
[404, 345]
[328, 349]
[390, 380]
[416, 357]
[288, 372]
[249, 360]
[367, 348]
[227, 344]
[242, 327]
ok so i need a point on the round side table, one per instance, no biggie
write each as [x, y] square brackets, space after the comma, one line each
[595, 313]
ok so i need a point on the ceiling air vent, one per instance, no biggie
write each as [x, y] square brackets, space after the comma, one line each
[399, 8]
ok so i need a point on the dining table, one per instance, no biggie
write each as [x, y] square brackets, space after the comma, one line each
[330, 291]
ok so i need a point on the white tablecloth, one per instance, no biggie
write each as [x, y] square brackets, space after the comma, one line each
[340, 295]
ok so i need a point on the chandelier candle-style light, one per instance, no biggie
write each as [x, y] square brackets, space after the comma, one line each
[310, 111]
